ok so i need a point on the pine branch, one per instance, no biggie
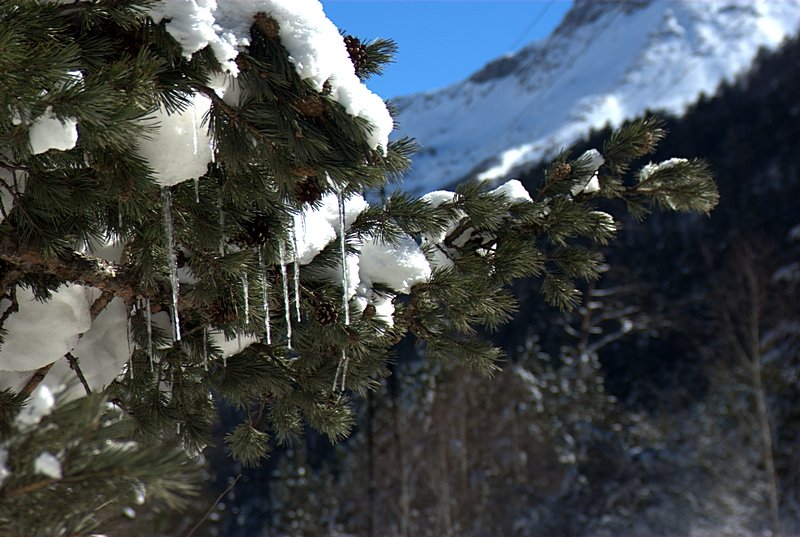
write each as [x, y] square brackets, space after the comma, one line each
[73, 364]
[37, 378]
[72, 267]
[213, 505]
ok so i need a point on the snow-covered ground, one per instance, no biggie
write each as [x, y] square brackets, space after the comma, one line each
[607, 62]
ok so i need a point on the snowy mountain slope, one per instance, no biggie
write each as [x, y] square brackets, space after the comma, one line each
[606, 62]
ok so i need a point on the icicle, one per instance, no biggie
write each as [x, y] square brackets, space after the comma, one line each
[296, 274]
[343, 248]
[119, 215]
[286, 305]
[338, 371]
[149, 317]
[128, 332]
[197, 190]
[346, 360]
[166, 202]
[225, 361]
[246, 295]
[341, 370]
[264, 296]
[205, 348]
[222, 227]
[128, 336]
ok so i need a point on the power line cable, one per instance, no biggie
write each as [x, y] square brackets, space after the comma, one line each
[536, 20]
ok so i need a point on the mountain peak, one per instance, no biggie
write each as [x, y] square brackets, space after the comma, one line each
[605, 63]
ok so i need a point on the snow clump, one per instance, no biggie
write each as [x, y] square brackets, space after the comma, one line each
[39, 405]
[178, 146]
[591, 183]
[315, 46]
[49, 132]
[48, 465]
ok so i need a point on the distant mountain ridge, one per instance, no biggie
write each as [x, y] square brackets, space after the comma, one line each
[607, 61]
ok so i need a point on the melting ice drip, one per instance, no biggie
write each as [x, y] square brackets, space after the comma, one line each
[344, 360]
[148, 315]
[246, 295]
[296, 273]
[264, 295]
[205, 347]
[169, 231]
[286, 304]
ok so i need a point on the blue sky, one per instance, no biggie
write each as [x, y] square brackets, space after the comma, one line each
[444, 41]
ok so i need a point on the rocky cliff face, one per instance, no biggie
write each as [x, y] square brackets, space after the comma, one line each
[605, 63]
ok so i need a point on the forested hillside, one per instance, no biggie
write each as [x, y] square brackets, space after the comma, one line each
[666, 404]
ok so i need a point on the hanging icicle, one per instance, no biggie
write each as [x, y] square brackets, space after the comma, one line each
[343, 249]
[221, 213]
[341, 372]
[128, 336]
[344, 360]
[264, 295]
[286, 304]
[149, 319]
[246, 295]
[296, 273]
[205, 348]
[166, 202]
[197, 190]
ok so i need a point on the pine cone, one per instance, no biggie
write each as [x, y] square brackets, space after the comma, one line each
[562, 171]
[267, 25]
[242, 63]
[649, 143]
[307, 191]
[222, 312]
[256, 231]
[311, 106]
[370, 311]
[326, 314]
[358, 53]
[180, 258]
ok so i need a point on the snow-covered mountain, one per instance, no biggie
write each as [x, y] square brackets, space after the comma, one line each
[608, 61]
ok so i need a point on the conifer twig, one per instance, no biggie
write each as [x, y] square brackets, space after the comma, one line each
[213, 505]
[73, 364]
[37, 378]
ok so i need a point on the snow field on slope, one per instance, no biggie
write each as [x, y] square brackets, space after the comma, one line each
[605, 71]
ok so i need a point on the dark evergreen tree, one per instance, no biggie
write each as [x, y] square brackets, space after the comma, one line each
[199, 152]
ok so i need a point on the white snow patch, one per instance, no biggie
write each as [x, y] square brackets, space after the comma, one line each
[317, 227]
[660, 55]
[591, 183]
[49, 132]
[607, 220]
[230, 347]
[649, 169]
[513, 190]
[314, 44]
[39, 405]
[399, 266]
[4, 472]
[787, 273]
[66, 315]
[47, 464]
[104, 349]
[178, 147]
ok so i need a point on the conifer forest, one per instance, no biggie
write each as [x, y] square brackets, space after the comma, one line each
[224, 314]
